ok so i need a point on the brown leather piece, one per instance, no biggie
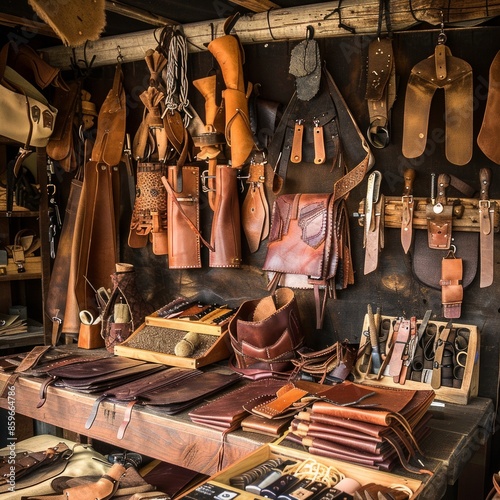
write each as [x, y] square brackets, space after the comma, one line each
[229, 53]
[454, 75]
[59, 286]
[266, 333]
[255, 212]
[487, 138]
[452, 291]
[184, 243]
[225, 237]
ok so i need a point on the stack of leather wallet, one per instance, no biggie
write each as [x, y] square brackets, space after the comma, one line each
[370, 426]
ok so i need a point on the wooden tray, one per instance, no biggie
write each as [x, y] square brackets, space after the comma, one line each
[218, 486]
[470, 382]
[214, 347]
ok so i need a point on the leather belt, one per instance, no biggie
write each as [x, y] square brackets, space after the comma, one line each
[486, 229]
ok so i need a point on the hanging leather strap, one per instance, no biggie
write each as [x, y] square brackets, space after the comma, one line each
[452, 291]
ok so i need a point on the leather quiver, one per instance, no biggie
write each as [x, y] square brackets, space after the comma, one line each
[266, 334]
[182, 215]
[225, 237]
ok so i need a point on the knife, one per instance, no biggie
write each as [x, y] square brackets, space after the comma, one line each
[374, 218]
[407, 212]
[486, 229]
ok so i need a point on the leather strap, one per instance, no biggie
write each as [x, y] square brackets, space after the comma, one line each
[285, 397]
[29, 361]
[439, 347]
[451, 285]
[319, 144]
[298, 134]
[486, 229]
[380, 91]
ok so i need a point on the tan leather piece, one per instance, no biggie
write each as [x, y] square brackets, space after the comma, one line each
[454, 75]
[487, 138]
[229, 53]
[440, 345]
[452, 291]
[375, 237]
[319, 145]
[486, 229]
[225, 237]
[110, 139]
[285, 398]
[255, 208]
[298, 134]
[184, 243]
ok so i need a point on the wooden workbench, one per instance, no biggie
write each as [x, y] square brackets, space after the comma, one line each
[458, 432]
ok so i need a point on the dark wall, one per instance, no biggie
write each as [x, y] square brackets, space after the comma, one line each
[392, 286]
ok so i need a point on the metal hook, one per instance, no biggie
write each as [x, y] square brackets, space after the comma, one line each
[119, 57]
[442, 36]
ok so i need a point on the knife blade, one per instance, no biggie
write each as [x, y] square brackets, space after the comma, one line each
[486, 229]
[407, 209]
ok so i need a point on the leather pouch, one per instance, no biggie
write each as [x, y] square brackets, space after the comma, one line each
[182, 214]
[265, 334]
[427, 261]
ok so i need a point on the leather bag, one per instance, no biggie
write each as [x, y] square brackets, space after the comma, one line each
[25, 114]
[265, 334]
[81, 461]
[308, 245]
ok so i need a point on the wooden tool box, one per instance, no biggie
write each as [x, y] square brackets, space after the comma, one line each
[469, 359]
[156, 338]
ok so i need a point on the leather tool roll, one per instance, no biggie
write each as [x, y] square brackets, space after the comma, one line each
[183, 215]
[225, 237]
[266, 334]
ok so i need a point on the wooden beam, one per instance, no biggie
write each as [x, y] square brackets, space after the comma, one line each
[256, 5]
[27, 25]
[137, 14]
[359, 16]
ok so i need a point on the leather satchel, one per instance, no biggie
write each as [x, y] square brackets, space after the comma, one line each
[265, 334]
[25, 114]
[308, 246]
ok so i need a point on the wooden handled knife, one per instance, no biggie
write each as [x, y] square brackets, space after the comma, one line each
[407, 209]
